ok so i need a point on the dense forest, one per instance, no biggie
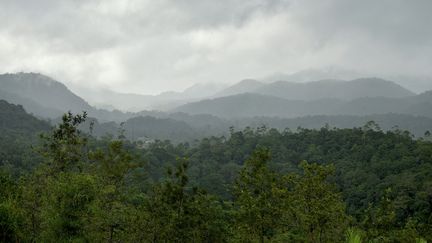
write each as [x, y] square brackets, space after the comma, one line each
[255, 185]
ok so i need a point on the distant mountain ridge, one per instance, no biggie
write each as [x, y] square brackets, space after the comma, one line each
[137, 102]
[339, 89]
[310, 75]
[250, 105]
[244, 86]
[48, 98]
[332, 88]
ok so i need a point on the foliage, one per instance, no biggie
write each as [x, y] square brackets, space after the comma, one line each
[253, 186]
[353, 236]
[257, 199]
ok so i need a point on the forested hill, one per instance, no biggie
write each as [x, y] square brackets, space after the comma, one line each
[36, 89]
[181, 127]
[321, 185]
[19, 131]
[45, 97]
[13, 118]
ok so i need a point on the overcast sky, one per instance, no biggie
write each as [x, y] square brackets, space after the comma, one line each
[149, 46]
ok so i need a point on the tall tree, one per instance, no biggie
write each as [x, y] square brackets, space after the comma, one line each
[176, 213]
[315, 210]
[256, 199]
[59, 193]
[111, 207]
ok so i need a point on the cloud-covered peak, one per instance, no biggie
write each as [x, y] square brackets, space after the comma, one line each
[145, 46]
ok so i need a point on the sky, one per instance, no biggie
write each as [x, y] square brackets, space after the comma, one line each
[150, 46]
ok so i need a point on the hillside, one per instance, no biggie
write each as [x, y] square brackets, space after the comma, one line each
[145, 128]
[417, 125]
[14, 118]
[338, 89]
[104, 98]
[29, 105]
[330, 88]
[160, 128]
[244, 86]
[18, 133]
[47, 98]
[37, 92]
[250, 105]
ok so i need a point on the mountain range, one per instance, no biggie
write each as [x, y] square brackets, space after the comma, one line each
[363, 96]
[108, 99]
[40, 94]
[250, 105]
[338, 89]
[246, 103]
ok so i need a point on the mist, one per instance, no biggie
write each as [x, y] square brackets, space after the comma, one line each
[149, 47]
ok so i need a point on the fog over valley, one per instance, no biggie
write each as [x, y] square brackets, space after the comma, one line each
[210, 109]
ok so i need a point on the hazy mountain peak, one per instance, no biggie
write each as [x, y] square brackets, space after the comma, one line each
[22, 78]
[35, 89]
[334, 88]
[244, 86]
[201, 90]
[249, 81]
[372, 80]
[310, 75]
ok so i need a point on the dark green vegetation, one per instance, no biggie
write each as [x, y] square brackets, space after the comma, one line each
[18, 132]
[181, 127]
[253, 186]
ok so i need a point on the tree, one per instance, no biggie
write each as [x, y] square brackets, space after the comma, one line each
[65, 148]
[57, 196]
[10, 220]
[380, 221]
[66, 212]
[111, 208]
[175, 213]
[314, 209]
[256, 199]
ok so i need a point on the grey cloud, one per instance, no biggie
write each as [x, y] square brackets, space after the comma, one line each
[150, 46]
[393, 21]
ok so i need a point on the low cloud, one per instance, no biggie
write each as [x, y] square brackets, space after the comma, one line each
[152, 46]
